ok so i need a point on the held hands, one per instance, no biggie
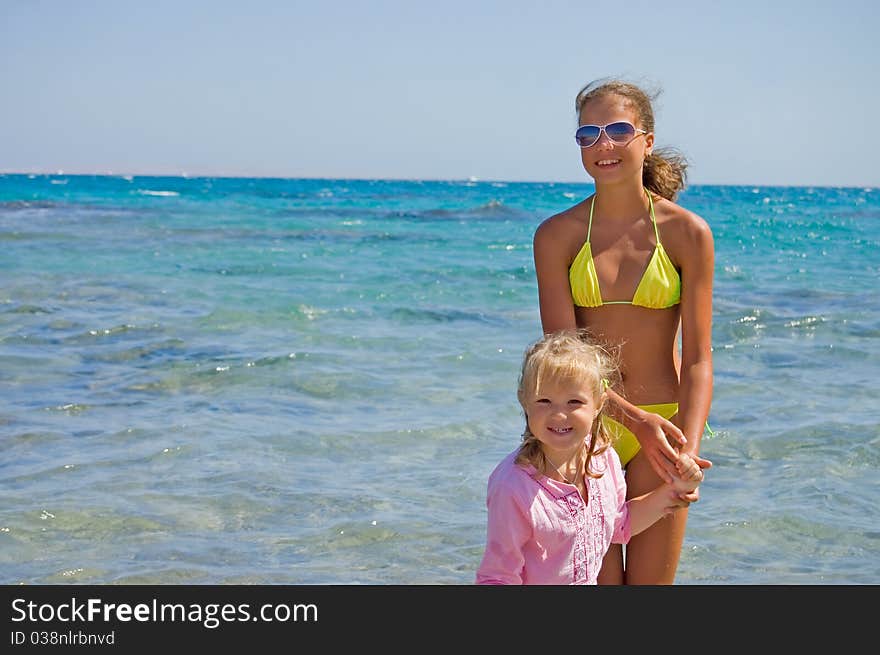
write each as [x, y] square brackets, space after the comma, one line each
[661, 442]
[656, 436]
[690, 475]
[684, 485]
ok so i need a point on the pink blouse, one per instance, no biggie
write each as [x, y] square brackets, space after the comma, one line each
[541, 532]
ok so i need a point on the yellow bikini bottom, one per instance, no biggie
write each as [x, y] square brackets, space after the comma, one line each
[623, 440]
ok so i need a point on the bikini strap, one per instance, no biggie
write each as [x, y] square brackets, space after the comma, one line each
[590, 226]
[653, 218]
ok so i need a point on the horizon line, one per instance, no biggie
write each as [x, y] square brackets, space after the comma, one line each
[467, 179]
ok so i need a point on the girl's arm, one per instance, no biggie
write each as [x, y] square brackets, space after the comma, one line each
[660, 437]
[508, 530]
[647, 509]
[551, 270]
[695, 390]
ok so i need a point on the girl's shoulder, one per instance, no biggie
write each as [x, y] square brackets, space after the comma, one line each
[681, 226]
[509, 474]
[562, 223]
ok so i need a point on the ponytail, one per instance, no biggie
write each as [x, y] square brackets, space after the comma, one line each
[665, 172]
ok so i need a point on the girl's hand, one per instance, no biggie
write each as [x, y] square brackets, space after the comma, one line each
[656, 436]
[659, 438]
[690, 475]
[688, 469]
[675, 500]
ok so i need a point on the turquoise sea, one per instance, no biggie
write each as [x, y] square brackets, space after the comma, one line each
[261, 381]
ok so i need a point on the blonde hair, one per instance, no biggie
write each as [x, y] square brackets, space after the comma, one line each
[665, 170]
[571, 356]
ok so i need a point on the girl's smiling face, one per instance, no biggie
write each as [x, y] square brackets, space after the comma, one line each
[607, 161]
[561, 415]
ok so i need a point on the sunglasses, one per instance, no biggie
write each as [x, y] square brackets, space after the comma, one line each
[619, 132]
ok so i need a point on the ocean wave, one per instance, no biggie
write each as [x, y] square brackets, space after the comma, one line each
[163, 194]
[349, 236]
[17, 205]
[26, 308]
[149, 351]
[410, 315]
[493, 210]
[102, 335]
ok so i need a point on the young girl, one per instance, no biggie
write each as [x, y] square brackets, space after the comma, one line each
[558, 502]
[636, 269]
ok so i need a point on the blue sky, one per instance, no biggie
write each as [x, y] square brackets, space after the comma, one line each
[758, 93]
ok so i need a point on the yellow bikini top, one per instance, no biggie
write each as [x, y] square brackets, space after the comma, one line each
[659, 288]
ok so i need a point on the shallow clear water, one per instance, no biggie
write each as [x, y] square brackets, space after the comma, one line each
[309, 381]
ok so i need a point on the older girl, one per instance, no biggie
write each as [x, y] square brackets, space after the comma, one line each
[636, 269]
